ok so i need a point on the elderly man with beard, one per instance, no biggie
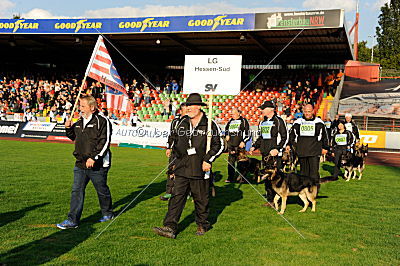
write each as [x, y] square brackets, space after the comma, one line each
[309, 139]
[192, 167]
[92, 136]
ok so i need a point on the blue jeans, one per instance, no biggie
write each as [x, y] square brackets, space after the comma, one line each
[81, 179]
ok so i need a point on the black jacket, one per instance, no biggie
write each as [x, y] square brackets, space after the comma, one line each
[93, 141]
[352, 127]
[238, 130]
[272, 134]
[342, 140]
[309, 137]
[172, 132]
[190, 166]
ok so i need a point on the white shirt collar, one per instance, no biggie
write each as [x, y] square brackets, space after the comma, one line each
[86, 120]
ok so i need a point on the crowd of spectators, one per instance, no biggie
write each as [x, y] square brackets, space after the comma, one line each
[38, 96]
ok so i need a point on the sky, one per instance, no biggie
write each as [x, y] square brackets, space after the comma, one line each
[369, 9]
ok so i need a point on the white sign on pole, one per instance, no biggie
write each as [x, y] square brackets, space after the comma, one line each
[212, 74]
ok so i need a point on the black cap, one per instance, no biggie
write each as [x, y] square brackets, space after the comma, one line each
[266, 104]
[194, 99]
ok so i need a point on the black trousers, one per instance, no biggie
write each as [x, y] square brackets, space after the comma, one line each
[81, 179]
[199, 188]
[268, 186]
[338, 155]
[309, 167]
[232, 158]
[170, 182]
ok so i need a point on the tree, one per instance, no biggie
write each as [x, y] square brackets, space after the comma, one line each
[388, 33]
[364, 53]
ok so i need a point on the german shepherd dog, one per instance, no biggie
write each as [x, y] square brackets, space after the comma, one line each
[347, 164]
[289, 161]
[246, 165]
[358, 161]
[291, 184]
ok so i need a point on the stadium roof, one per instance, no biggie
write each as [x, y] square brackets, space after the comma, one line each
[257, 36]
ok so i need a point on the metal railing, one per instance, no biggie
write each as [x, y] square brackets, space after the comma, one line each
[377, 123]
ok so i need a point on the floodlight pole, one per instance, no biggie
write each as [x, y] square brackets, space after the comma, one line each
[356, 32]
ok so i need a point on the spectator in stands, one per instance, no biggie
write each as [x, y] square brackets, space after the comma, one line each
[167, 106]
[298, 112]
[329, 80]
[146, 93]
[307, 95]
[299, 91]
[134, 119]
[3, 114]
[174, 105]
[338, 77]
[53, 114]
[315, 97]
[136, 96]
[175, 86]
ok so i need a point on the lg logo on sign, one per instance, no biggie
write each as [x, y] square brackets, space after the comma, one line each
[369, 138]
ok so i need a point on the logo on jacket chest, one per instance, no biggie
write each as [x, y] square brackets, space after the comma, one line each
[200, 132]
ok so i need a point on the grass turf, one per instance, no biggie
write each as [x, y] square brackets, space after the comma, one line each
[356, 222]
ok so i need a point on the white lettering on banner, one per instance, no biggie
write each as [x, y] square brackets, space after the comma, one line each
[140, 135]
[12, 130]
[369, 139]
[39, 126]
[212, 74]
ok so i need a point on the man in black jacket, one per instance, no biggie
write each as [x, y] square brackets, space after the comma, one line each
[92, 136]
[351, 126]
[309, 139]
[342, 141]
[192, 167]
[272, 139]
[169, 152]
[237, 133]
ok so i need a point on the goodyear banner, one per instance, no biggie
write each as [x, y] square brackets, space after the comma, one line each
[227, 22]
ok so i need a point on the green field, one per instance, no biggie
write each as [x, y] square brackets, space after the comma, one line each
[356, 222]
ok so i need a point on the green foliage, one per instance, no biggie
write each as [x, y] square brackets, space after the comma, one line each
[356, 222]
[388, 33]
[364, 53]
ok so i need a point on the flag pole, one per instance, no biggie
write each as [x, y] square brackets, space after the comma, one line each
[99, 39]
[79, 95]
[209, 133]
[209, 137]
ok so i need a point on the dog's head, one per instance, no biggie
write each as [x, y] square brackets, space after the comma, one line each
[269, 174]
[286, 156]
[242, 156]
[361, 150]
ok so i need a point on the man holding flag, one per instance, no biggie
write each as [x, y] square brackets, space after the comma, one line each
[92, 136]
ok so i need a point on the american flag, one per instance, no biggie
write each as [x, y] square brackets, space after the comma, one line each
[102, 69]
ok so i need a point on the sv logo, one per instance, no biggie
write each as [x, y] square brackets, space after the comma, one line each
[211, 87]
